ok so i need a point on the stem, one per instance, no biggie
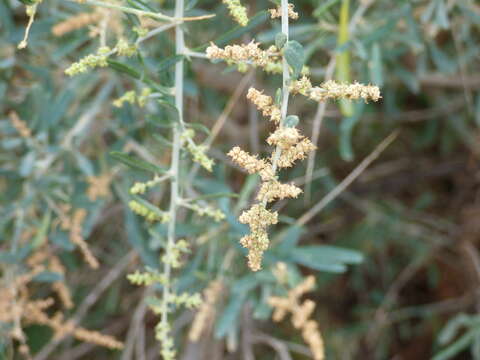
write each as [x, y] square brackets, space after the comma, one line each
[174, 167]
[285, 89]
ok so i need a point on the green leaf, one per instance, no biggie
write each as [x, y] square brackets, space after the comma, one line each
[376, 65]
[48, 277]
[199, 127]
[155, 209]
[215, 196]
[137, 163]
[461, 344]
[324, 7]
[325, 257]
[229, 318]
[280, 40]
[166, 64]
[291, 121]
[295, 56]
[130, 71]
[238, 31]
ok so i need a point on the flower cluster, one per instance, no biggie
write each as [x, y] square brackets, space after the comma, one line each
[247, 54]
[333, 90]
[148, 213]
[237, 11]
[206, 210]
[100, 59]
[20, 125]
[205, 315]
[291, 146]
[276, 13]
[147, 278]
[258, 219]
[90, 62]
[98, 186]
[173, 257]
[75, 227]
[301, 313]
[18, 308]
[264, 103]
[198, 152]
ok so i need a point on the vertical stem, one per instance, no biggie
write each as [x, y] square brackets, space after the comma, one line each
[286, 71]
[174, 167]
[285, 85]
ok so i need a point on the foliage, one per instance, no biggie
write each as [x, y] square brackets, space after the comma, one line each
[100, 144]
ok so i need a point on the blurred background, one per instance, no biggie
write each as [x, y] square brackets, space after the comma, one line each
[395, 254]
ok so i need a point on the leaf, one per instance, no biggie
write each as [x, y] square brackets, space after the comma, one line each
[215, 196]
[295, 56]
[441, 60]
[461, 344]
[166, 64]
[238, 31]
[280, 40]
[155, 209]
[441, 17]
[199, 127]
[289, 239]
[137, 163]
[229, 318]
[27, 164]
[48, 277]
[324, 7]
[376, 65]
[451, 329]
[325, 257]
[130, 71]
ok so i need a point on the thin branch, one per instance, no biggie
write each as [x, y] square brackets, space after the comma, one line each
[348, 180]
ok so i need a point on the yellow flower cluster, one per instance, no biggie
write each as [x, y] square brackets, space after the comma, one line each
[147, 213]
[205, 315]
[246, 54]
[238, 11]
[301, 313]
[90, 62]
[209, 211]
[291, 146]
[251, 163]
[264, 103]
[333, 90]
[131, 97]
[276, 13]
[198, 152]
[258, 219]
[273, 190]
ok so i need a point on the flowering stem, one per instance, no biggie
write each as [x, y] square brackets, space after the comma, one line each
[174, 167]
[285, 89]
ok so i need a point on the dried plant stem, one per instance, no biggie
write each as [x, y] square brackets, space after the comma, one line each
[348, 180]
[285, 89]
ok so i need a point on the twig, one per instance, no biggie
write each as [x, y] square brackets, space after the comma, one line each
[348, 180]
